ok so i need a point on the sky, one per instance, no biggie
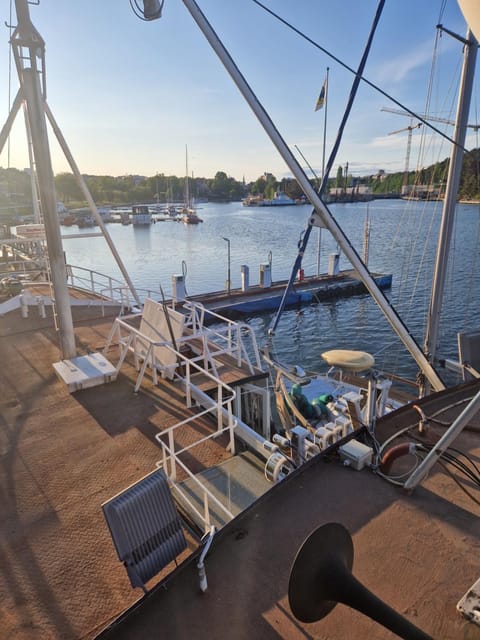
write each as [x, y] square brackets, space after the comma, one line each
[130, 95]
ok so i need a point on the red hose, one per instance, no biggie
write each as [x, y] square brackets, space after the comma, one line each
[393, 454]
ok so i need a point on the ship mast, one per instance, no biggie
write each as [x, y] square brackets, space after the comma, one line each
[29, 51]
[449, 204]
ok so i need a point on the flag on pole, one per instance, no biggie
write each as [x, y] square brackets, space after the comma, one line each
[322, 96]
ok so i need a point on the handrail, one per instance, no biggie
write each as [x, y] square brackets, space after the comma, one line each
[222, 404]
[207, 494]
[197, 318]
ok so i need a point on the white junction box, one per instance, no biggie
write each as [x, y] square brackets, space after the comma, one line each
[356, 455]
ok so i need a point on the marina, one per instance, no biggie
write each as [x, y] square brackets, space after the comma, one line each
[187, 453]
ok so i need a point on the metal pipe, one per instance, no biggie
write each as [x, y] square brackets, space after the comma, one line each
[228, 268]
[48, 201]
[7, 127]
[450, 201]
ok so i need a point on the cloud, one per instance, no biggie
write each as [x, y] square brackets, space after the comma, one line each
[398, 69]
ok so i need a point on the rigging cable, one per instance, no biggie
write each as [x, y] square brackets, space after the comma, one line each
[424, 222]
[476, 249]
[10, 28]
[331, 159]
[345, 66]
[450, 457]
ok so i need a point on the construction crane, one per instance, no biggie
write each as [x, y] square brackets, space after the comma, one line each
[410, 128]
[425, 116]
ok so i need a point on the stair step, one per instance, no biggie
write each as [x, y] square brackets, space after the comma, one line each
[236, 483]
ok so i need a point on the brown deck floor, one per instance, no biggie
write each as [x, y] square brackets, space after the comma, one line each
[63, 455]
[418, 552]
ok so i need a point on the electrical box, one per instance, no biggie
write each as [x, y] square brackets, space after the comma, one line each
[244, 272]
[265, 275]
[333, 264]
[178, 287]
[298, 439]
[356, 455]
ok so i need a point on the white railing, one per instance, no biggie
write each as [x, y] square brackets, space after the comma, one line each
[208, 499]
[106, 287]
[171, 463]
[94, 282]
[132, 340]
[229, 337]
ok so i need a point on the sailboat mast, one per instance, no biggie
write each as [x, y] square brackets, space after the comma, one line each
[453, 182]
[321, 216]
[187, 188]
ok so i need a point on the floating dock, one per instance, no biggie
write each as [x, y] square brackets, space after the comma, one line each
[311, 289]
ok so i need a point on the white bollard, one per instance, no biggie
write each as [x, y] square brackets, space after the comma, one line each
[24, 304]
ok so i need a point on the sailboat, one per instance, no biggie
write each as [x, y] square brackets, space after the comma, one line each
[189, 215]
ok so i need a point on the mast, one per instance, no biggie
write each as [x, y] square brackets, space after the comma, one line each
[321, 215]
[324, 147]
[32, 92]
[187, 187]
[453, 181]
[29, 51]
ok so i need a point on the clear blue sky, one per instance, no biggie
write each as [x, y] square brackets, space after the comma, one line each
[129, 95]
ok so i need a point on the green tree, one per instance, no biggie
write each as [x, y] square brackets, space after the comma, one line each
[339, 182]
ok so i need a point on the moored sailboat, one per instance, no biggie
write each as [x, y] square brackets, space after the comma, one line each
[188, 213]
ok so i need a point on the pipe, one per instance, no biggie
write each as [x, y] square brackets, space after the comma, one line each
[201, 564]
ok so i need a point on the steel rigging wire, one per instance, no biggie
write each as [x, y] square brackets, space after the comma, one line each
[345, 66]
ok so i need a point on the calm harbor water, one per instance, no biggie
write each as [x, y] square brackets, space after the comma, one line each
[402, 242]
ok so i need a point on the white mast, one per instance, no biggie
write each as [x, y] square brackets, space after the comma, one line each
[187, 188]
[453, 181]
[29, 49]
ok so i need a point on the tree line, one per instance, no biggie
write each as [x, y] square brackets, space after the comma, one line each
[16, 199]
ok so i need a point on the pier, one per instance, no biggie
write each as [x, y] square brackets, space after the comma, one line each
[308, 290]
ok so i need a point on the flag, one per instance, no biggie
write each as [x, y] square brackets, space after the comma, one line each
[322, 96]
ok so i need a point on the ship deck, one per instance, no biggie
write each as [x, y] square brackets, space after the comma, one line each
[63, 455]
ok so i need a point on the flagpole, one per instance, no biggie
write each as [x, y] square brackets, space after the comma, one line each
[319, 236]
[325, 123]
